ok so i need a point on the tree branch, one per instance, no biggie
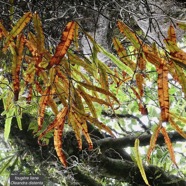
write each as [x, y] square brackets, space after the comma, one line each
[129, 172]
[84, 179]
[128, 141]
[126, 116]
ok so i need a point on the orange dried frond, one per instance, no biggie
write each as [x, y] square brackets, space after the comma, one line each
[3, 31]
[140, 83]
[163, 92]
[151, 56]
[31, 47]
[93, 120]
[30, 73]
[42, 105]
[141, 63]
[51, 101]
[16, 65]
[53, 105]
[63, 77]
[141, 105]
[153, 140]
[15, 77]
[86, 134]
[38, 87]
[20, 25]
[172, 34]
[176, 54]
[170, 41]
[82, 126]
[78, 100]
[143, 109]
[20, 45]
[77, 129]
[169, 145]
[59, 119]
[136, 93]
[63, 46]
[176, 127]
[58, 131]
[131, 36]
[179, 58]
[123, 54]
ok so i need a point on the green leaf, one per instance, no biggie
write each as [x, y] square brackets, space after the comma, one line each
[6, 165]
[98, 89]
[181, 77]
[182, 25]
[139, 161]
[88, 101]
[18, 114]
[75, 59]
[8, 122]
[114, 59]
[119, 63]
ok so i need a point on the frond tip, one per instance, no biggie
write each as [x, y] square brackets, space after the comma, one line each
[139, 161]
[57, 125]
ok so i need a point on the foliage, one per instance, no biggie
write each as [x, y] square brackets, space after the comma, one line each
[139, 161]
[72, 86]
[65, 81]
